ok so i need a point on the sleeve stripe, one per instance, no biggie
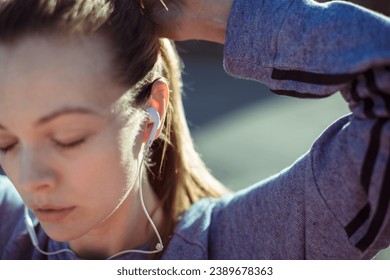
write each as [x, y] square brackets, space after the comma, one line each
[372, 86]
[293, 93]
[371, 154]
[380, 212]
[365, 176]
[358, 221]
[368, 167]
[368, 104]
[311, 78]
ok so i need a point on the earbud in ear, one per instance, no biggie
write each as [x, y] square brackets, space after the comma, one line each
[155, 118]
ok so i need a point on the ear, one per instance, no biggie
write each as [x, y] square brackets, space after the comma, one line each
[159, 100]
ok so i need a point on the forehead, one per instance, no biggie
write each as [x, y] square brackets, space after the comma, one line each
[49, 71]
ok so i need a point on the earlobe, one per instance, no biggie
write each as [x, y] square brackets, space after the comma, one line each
[159, 100]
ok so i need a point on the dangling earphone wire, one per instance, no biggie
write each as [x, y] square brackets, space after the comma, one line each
[154, 116]
[34, 238]
[159, 246]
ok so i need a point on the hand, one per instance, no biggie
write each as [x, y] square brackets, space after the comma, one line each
[190, 19]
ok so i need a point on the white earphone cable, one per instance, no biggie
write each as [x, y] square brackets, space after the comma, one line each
[159, 246]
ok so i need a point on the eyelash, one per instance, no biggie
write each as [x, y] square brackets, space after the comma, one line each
[61, 146]
[6, 149]
[71, 145]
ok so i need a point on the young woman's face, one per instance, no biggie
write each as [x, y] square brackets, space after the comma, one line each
[65, 145]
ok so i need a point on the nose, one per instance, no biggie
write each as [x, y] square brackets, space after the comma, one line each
[34, 172]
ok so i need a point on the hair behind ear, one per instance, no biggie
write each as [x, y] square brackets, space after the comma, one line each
[177, 174]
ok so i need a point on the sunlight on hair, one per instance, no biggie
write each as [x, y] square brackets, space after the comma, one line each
[141, 2]
[163, 3]
[82, 10]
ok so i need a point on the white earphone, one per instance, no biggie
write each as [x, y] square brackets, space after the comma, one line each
[155, 118]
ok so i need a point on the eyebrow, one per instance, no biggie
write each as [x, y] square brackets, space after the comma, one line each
[60, 112]
[65, 111]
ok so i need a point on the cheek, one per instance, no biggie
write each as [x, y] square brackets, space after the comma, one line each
[108, 168]
[128, 144]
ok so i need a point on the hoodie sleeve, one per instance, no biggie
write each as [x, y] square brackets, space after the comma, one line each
[333, 203]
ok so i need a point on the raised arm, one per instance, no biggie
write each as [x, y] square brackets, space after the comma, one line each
[334, 201]
[310, 50]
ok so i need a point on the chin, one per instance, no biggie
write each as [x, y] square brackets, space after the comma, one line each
[59, 233]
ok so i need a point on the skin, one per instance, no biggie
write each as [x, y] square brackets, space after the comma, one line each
[70, 145]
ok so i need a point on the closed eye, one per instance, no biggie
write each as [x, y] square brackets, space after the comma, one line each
[71, 145]
[7, 149]
[64, 146]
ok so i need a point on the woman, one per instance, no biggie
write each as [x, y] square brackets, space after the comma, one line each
[90, 71]
[62, 51]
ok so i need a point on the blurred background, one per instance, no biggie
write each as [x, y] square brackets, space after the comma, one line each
[243, 132]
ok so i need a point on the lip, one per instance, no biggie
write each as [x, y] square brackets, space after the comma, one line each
[52, 214]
